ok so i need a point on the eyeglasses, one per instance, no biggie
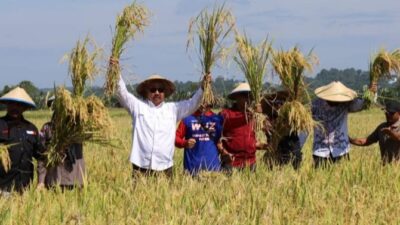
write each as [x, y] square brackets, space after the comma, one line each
[159, 89]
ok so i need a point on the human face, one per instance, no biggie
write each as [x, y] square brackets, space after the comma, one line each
[15, 109]
[155, 93]
[242, 100]
[392, 117]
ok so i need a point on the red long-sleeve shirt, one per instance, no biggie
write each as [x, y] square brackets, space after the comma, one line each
[238, 137]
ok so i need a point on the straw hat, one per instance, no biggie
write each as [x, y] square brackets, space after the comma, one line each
[335, 92]
[18, 95]
[241, 88]
[168, 85]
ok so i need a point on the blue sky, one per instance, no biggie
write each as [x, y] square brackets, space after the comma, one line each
[36, 34]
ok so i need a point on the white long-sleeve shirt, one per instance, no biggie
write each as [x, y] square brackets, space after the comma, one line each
[153, 133]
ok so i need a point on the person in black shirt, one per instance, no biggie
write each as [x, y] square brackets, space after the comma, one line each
[23, 140]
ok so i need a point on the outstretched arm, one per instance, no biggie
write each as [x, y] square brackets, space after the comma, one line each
[372, 138]
[126, 99]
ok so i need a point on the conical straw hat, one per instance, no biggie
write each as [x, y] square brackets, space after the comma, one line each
[335, 92]
[241, 88]
[18, 95]
[168, 85]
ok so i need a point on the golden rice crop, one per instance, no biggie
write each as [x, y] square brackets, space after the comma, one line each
[252, 60]
[82, 65]
[211, 29]
[77, 119]
[133, 19]
[383, 64]
[5, 157]
[293, 116]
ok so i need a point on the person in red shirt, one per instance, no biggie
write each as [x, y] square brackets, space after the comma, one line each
[238, 142]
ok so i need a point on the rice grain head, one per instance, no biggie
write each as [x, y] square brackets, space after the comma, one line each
[210, 30]
[133, 19]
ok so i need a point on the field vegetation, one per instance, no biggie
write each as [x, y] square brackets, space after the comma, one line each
[360, 191]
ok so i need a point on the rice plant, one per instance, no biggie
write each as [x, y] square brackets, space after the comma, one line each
[5, 157]
[293, 116]
[382, 65]
[252, 61]
[134, 18]
[209, 30]
[77, 119]
[82, 65]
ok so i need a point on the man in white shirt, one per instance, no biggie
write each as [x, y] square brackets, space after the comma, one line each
[154, 122]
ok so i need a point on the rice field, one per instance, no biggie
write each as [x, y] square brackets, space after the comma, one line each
[360, 191]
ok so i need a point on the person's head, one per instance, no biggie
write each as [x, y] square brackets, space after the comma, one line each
[155, 89]
[335, 93]
[392, 111]
[17, 102]
[241, 96]
[50, 101]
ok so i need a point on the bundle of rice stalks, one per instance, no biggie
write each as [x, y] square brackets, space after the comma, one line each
[132, 19]
[211, 29]
[293, 116]
[5, 157]
[252, 60]
[77, 120]
[82, 65]
[382, 65]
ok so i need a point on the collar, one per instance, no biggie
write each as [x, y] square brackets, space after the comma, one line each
[151, 104]
[198, 113]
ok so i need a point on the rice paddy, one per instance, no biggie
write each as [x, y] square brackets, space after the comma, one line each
[360, 191]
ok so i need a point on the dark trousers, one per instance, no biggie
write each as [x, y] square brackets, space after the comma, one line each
[228, 168]
[324, 162]
[138, 171]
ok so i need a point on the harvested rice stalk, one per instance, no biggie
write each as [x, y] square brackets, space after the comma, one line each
[5, 157]
[381, 66]
[82, 66]
[293, 116]
[252, 60]
[132, 19]
[77, 120]
[211, 29]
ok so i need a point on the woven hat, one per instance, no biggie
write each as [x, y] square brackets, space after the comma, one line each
[335, 92]
[241, 88]
[18, 95]
[168, 85]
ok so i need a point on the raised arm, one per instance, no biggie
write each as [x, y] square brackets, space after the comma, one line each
[356, 105]
[126, 99]
[187, 107]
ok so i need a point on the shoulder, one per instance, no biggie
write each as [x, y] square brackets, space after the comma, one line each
[29, 125]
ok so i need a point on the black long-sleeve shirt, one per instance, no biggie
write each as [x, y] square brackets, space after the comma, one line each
[23, 137]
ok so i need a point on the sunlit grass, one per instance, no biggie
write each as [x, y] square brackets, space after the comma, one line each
[360, 191]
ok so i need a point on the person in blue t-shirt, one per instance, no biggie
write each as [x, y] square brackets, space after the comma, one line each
[199, 134]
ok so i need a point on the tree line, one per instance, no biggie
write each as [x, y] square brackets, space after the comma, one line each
[354, 79]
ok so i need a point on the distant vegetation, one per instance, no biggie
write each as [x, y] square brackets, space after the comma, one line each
[355, 79]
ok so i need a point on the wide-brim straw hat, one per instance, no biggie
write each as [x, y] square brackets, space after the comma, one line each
[18, 95]
[168, 85]
[335, 92]
[242, 88]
